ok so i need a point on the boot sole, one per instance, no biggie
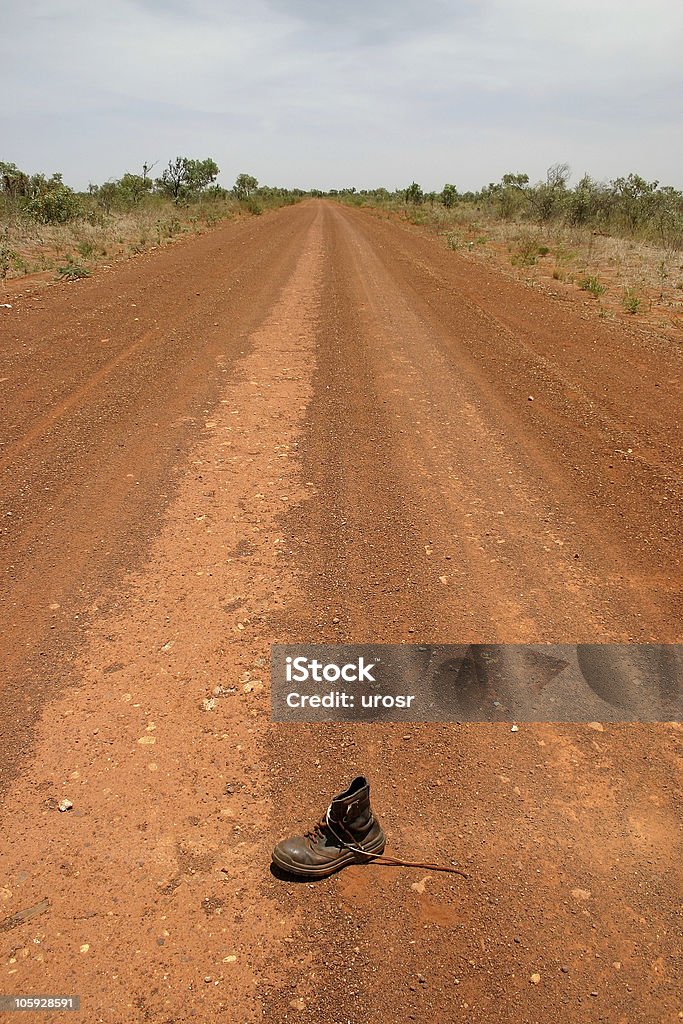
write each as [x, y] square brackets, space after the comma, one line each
[323, 870]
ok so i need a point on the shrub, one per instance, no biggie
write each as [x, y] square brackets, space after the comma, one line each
[253, 206]
[86, 250]
[8, 257]
[631, 301]
[57, 205]
[452, 241]
[73, 272]
[592, 285]
[527, 251]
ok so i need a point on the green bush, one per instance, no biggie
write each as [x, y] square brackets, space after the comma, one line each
[253, 206]
[57, 205]
[631, 301]
[73, 272]
[592, 285]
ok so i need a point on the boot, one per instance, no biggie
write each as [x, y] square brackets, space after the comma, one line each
[347, 831]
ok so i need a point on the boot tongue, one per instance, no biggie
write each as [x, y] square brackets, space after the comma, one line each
[336, 812]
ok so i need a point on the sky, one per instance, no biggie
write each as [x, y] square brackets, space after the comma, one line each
[315, 93]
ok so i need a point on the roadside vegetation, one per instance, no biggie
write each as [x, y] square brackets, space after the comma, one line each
[47, 226]
[619, 242]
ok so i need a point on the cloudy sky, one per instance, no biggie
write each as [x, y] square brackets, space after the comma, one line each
[327, 94]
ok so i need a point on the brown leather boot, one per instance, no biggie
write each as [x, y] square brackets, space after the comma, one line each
[345, 833]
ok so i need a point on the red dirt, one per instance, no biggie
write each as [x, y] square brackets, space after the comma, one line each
[291, 429]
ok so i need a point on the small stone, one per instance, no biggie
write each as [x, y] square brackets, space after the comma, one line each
[230, 959]
[564, 969]
[208, 704]
[64, 805]
[298, 1004]
[515, 728]
[531, 398]
[535, 979]
[208, 979]
[85, 947]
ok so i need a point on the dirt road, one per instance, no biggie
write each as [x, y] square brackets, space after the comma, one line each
[320, 425]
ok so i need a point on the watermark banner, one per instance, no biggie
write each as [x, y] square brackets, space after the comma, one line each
[477, 683]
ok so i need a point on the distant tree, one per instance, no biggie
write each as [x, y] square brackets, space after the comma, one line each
[509, 191]
[200, 174]
[414, 193]
[518, 181]
[173, 179]
[105, 195]
[449, 195]
[547, 197]
[245, 186]
[134, 186]
[13, 182]
[185, 178]
[557, 176]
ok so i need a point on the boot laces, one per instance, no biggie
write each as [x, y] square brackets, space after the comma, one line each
[382, 858]
[320, 830]
[323, 829]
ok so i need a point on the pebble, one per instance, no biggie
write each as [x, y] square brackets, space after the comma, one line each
[65, 805]
[515, 728]
[535, 979]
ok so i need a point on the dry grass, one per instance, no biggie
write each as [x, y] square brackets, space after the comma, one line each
[28, 248]
[620, 278]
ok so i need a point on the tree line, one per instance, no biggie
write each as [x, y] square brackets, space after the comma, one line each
[48, 200]
[628, 205]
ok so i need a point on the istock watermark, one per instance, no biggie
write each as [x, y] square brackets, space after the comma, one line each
[477, 682]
